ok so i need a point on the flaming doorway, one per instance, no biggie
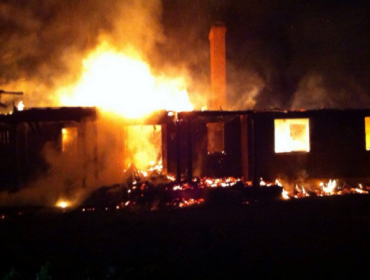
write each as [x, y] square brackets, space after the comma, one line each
[143, 147]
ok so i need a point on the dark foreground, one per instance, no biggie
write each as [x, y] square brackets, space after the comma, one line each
[305, 238]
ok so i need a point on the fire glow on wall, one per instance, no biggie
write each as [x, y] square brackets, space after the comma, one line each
[69, 138]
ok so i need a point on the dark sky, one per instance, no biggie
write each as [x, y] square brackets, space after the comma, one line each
[285, 54]
[297, 53]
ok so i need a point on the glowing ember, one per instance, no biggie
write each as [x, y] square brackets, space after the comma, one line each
[330, 188]
[219, 182]
[189, 202]
[177, 188]
[359, 190]
[172, 178]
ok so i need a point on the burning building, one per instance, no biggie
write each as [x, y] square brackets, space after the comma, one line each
[27, 134]
[316, 144]
[297, 145]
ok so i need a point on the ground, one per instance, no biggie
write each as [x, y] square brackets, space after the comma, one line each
[303, 238]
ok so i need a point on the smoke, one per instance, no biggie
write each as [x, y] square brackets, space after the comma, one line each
[287, 54]
[311, 93]
[243, 88]
[318, 91]
[44, 42]
[93, 161]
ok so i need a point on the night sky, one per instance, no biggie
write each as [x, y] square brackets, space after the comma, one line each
[280, 54]
[299, 54]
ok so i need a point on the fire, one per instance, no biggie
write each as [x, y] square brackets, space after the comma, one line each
[285, 195]
[20, 106]
[143, 147]
[189, 202]
[329, 188]
[219, 182]
[300, 192]
[120, 82]
[124, 84]
[63, 204]
[304, 191]
[69, 138]
[292, 135]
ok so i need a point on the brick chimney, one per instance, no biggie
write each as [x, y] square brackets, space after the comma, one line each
[218, 67]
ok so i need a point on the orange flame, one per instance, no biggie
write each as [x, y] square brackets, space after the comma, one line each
[63, 204]
[20, 106]
[123, 83]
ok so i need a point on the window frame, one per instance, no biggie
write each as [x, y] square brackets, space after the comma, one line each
[280, 150]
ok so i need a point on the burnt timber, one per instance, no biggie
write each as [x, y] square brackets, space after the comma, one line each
[337, 143]
[24, 134]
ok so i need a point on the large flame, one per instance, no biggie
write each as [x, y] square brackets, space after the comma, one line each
[123, 83]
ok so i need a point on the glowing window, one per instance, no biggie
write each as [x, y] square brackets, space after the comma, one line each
[367, 133]
[292, 135]
[69, 138]
[215, 138]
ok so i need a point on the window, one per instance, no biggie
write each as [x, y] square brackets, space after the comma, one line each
[292, 135]
[69, 138]
[367, 133]
[215, 138]
[4, 136]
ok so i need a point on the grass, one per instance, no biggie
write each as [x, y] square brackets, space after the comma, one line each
[305, 238]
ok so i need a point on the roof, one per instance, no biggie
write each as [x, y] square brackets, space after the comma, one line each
[50, 114]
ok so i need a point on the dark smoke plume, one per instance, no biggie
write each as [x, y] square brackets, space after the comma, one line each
[282, 46]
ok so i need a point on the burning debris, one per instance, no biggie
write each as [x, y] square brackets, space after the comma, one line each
[8, 101]
[330, 188]
[133, 91]
[142, 192]
[152, 190]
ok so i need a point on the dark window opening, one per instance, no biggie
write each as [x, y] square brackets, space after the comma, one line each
[4, 136]
[216, 141]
